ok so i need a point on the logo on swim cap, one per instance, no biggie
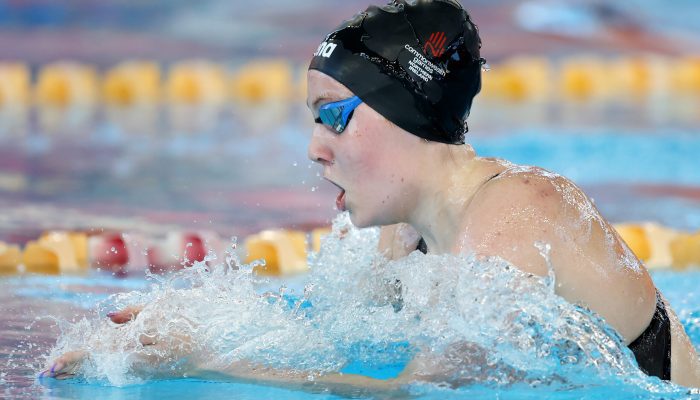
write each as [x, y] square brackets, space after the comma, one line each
[325, 49]
[436, 44]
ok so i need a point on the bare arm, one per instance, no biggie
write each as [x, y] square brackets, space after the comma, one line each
[68, 365]
[336, 383]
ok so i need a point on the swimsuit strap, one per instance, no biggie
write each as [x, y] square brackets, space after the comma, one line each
[422, 246]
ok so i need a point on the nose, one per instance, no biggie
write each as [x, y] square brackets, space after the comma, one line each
[319, 147]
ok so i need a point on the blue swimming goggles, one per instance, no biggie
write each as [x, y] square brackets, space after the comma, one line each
[336, 115]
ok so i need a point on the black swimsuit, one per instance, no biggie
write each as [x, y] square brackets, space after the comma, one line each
[652, 348]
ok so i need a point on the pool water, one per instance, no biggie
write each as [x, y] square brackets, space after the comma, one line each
[630, 176]
[34, 307]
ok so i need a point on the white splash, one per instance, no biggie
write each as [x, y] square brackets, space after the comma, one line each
[462, 319]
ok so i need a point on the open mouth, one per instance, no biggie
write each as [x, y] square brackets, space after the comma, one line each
[340, 200]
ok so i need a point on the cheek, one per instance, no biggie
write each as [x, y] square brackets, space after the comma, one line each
[374, 151]
[377, 180]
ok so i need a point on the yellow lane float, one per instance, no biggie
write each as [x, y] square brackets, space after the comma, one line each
[70, 249]
[660, 238]
[132, 83]
[10, 258]
[632, 78]
[584, 78]
[66, 94]
[263, 80]
[519, 79]
[685, 250]
[196, 82]
[316, 236]
[661, 247]
[636, 238]
[40, 259]
[64, 83]
[15, 89]
[132, 94]
[14, 83]
[685, 76]
[196, 92]
[284, 252]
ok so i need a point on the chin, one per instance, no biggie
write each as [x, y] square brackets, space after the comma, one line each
[363, 221]
[358, 221]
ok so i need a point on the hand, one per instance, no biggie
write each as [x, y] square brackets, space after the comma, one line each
[156, 351]
[128, 314]
[65, 366]
[125, 315]
[158, 348]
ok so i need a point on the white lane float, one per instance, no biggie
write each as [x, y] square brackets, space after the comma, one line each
[181, 249]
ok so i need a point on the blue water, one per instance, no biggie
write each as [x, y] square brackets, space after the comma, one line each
[588, 158]
[77, 296]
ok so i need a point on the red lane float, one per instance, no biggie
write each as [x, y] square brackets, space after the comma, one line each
[180, 250]
[109, 252]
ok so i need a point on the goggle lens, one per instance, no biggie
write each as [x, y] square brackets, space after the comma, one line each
[336, 115]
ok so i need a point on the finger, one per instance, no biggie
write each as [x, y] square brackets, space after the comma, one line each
[57, 367]
[67, 362]
[147, 340]
[125, 315]
[64, 376]
[122, 316]
[119, 318]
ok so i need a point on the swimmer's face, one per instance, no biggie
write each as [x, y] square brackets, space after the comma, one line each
[371, 159]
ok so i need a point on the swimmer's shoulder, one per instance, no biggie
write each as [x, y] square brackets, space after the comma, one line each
[519, 207]
[526, 186]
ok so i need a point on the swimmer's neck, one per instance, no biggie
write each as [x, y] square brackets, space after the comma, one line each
[442, 205]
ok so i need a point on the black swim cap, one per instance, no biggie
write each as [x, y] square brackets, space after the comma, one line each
[415, 62]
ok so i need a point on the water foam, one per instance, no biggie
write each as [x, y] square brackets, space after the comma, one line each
[461, 319]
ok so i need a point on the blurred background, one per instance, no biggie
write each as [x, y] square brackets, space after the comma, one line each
[157, 116]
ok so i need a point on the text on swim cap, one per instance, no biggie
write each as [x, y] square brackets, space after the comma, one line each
[325, 49]
[421, 66]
